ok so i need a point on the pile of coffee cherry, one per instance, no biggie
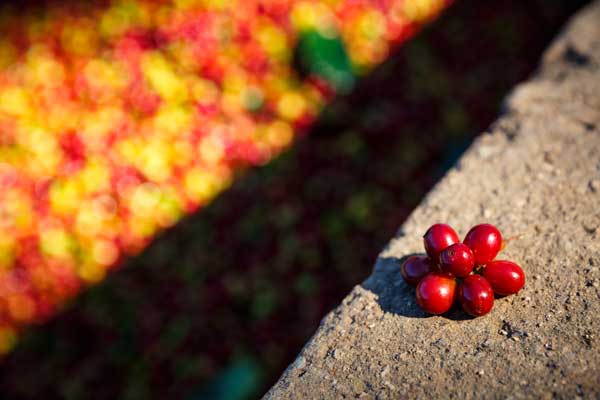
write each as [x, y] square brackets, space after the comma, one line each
[464, 271]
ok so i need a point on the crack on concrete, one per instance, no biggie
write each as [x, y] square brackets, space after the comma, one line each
[575, 57]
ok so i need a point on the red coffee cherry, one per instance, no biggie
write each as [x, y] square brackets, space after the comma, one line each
[415, 268]
[506, 277]
[437, 238]
[476, 296]
[485, 240]
[436, 292]
[458, 260]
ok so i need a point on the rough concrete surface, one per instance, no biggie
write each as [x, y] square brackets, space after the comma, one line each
[535, 173]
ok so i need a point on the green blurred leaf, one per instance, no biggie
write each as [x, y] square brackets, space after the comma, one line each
[240, 381]
[327, 58]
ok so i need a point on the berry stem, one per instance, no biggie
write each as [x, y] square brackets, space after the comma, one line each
[513, 237]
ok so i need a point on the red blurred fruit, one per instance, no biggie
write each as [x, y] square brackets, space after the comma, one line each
[458, 260]
[437, 238]
[436, 292]
[415, 268]
[476, 296]
[506, 277]
[485, 240]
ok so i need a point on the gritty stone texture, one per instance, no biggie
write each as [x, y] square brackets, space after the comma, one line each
[536, 173]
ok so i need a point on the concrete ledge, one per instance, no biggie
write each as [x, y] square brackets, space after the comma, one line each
[537, 173]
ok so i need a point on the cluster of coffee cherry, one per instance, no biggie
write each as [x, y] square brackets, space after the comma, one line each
[465, 271]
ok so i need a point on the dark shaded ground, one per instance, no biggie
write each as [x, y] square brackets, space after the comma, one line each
[218, 306]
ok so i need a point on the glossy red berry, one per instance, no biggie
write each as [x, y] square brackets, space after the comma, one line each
[436, 292]
[485, 240]
[415, 268]
[437, 238]
[458, 260]
[506, 277]
[476, 296]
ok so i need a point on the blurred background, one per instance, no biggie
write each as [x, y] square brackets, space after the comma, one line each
[217, 306]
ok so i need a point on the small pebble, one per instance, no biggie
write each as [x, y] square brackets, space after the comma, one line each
[385, 371]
